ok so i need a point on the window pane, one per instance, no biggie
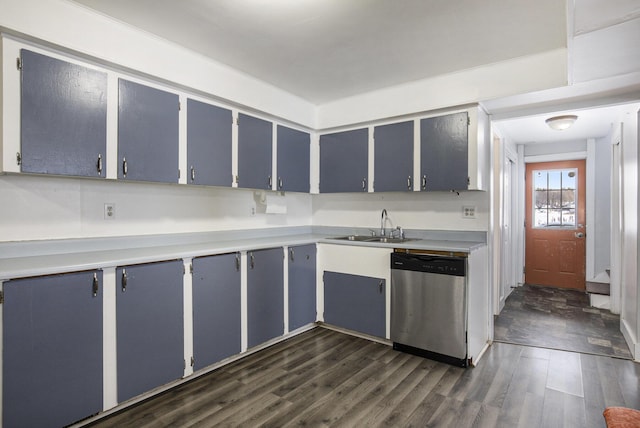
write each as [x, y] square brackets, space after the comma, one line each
[555, 218]
[569, 179]
[540, 217]
[569, 217]
[555, 195]
[540, 189]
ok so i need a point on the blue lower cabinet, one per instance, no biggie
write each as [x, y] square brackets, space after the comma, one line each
[265, 295]
[216, 309]
[52, 349]
[355, 302]
[150, 326]
[302, 286]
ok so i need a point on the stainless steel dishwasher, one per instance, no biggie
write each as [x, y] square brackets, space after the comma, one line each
[429, 305]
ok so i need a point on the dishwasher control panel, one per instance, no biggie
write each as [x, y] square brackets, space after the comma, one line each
[444, 265]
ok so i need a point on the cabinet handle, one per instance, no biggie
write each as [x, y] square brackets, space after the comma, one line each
[409, 183]
[364, 184]
[270, 182]
[424, 182]
[291, 254]
[381, 287]
[125, 167]
[252, 263]
[124, 280]
[99, 165]
[279, 182]
[95, 285]
[237, 262]
[193, 173]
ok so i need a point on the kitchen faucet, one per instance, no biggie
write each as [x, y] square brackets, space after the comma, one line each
[383, 216]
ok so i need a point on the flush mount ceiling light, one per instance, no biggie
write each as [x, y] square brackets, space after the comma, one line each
[560, 123]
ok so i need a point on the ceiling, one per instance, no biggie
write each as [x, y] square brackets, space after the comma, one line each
[325, 50]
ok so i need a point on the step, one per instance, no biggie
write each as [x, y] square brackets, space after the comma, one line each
[598, 288]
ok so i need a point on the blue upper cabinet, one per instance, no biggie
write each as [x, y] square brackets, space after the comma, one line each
[344, 161]
[293, 160]
[255, 149]
[209, 144]
[147, 133]
[444, 152]
[393, 167]
[63, 117]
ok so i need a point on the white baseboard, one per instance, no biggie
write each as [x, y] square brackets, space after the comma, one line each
[631, 339]
[599, 301]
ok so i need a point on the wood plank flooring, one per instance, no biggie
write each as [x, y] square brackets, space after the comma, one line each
[326, 378]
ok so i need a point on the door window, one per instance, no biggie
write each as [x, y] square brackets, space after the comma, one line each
[555, 195]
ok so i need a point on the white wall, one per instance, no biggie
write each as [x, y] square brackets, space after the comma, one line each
[517, 76]
[555, 148]
[53, 207]
[601, 221]
[417, 210]
[629, 264]
[72, 27]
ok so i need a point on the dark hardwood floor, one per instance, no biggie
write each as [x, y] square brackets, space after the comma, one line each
[559, 318]
[326, 378]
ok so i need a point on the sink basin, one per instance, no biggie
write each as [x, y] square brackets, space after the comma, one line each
[354, 238]
[381, 239]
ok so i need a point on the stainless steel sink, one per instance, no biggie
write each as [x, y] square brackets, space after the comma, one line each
[354, 238]
[381, 239]
[387, 240]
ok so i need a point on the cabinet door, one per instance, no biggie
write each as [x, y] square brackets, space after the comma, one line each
[147, 133]
[293, 159]
[63, 119]
[355, 302]
[393, 157]
[209, 144]
[216, 308]
[444, 152]
[255, 148]
[344, 161]
[150, 332]
[265, 295]
[52, 349]
[302, 286]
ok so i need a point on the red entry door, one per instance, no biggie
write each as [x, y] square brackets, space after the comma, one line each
[555, 224]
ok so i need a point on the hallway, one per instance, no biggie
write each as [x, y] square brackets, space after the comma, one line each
[560, 319]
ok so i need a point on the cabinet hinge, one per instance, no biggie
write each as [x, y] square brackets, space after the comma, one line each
[179, 105]
[193, 361]
[178, 173]
[237, 120]
[18, 158]
[468, 181]
[191, 268]
[1, 297]
[468, 121]
[19, 63]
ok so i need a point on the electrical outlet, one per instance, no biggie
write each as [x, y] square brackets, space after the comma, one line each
[109, 211]
[469, 212]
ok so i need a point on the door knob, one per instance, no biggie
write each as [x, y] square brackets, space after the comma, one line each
[579, 234]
